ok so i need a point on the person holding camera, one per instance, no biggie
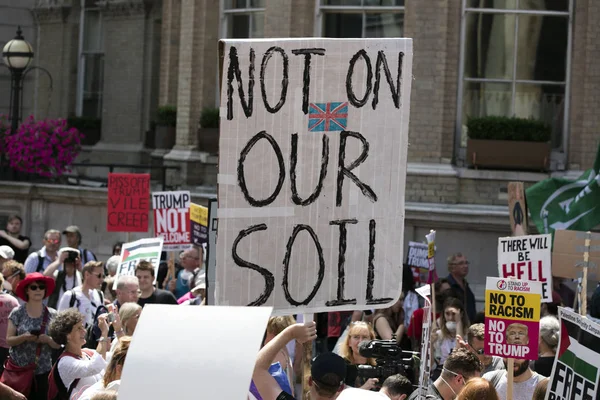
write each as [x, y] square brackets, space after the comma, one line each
[66, 278]
[30, 345]
[327, 372]
[73, 236]
[358, 332]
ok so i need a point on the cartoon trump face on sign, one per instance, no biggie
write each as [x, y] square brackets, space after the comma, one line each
[517, 334]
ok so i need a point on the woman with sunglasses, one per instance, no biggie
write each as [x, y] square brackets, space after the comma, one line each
[27, 332]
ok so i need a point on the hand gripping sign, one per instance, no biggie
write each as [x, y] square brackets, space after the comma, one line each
[512, 318]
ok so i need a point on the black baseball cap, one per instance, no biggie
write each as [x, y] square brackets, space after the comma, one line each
[328, 363]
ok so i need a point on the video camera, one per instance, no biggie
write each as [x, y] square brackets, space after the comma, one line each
[73, 254]
[390, 358]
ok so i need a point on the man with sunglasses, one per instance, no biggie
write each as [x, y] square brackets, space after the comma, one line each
[458, 267]
[87, 297]
[475, 343]
[38, 261]
[460, 366]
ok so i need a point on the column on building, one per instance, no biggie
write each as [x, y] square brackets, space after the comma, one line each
[56, 51]
[127, 25]
[169, 51]
[433, 97]
[198, 62]
[289, 18]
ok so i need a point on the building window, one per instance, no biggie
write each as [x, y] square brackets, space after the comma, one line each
[243, 19]
[516, 62]
[91, 62]
[361, 18]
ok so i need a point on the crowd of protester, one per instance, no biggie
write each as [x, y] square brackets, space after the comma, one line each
[64, 331]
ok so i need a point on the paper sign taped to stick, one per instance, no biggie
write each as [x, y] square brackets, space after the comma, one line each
[132, 253]
[198, 364]
[417, 261]
[199, 224]
[172, 219]
[527, 258]
[312, 172]
[576, 373]
[567, 256]
[128, 202]
[512, 318]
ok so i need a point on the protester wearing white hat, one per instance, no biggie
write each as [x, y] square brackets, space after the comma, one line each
[6, 253]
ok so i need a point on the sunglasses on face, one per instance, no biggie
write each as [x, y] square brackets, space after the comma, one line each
[37, 287]
[53, 241]
[99, 275]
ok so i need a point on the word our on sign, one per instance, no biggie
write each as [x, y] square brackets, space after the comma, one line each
[199, 224]
[132, 253]
[527, 258]
[128, 202]
[575, 373]
[172, 219]
[309, 219]
[512, 316]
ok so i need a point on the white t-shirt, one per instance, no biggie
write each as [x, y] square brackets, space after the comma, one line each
[521, 390]
[86, 305]
[99, 387]
[89, 370]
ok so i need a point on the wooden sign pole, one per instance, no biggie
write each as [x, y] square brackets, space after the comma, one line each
[306, 361]
[586, 264]
[517, 214]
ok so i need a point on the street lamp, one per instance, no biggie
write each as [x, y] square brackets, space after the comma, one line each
[17, 55]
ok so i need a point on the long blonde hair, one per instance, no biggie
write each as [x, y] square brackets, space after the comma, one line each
[128, 311]
[118, 358]
[345, 349]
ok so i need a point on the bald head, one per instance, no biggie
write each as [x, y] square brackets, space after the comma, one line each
[190, 259]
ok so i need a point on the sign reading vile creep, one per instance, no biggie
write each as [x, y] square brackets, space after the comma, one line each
[128, 203]
[512, 318]
[527, 258]
[312, 170]
[172, 219]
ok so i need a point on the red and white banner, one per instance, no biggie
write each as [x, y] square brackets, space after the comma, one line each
[172, 219]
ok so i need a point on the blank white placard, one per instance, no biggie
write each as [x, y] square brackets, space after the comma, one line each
[180, 352]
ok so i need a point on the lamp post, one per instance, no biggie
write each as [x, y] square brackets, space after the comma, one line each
[17, 55]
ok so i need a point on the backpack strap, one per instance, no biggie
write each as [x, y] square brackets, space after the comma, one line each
[73, 299]
[40, 265]
[497, 376]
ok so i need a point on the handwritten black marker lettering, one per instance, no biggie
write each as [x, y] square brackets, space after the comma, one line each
[294, 160]
[341, 262]
[241, 176]
[234, 72]
[306, 76]
[345, 171]
[286, 265]
[284, 79]
[349, 87]
[268, 277]
[371, 269]
[382, 60]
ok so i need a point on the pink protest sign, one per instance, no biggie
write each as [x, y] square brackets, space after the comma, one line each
[512, 318]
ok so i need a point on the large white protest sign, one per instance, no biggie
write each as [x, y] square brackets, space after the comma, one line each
[575, 373]
[528, 258]
[132, 253]
[312, 170]
[186, 352]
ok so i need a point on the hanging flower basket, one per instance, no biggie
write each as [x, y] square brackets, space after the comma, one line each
[46, 148]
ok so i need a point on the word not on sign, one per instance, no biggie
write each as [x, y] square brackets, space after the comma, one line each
[527, 258]
[512, 316]
[172, 218]
[312, 171]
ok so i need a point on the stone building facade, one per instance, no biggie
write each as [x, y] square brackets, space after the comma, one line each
[530, 58]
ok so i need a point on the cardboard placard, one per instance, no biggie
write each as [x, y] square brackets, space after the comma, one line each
[132, 253]
[199, 364]
[312, 171]
[199, 224]
[567, 256]
[527, 258]
[211, 247]
[172, 219]
[417, 261]
[512, 318]
[128, 202]
[575, 373]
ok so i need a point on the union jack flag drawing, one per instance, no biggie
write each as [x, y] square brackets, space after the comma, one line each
[327, 117]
